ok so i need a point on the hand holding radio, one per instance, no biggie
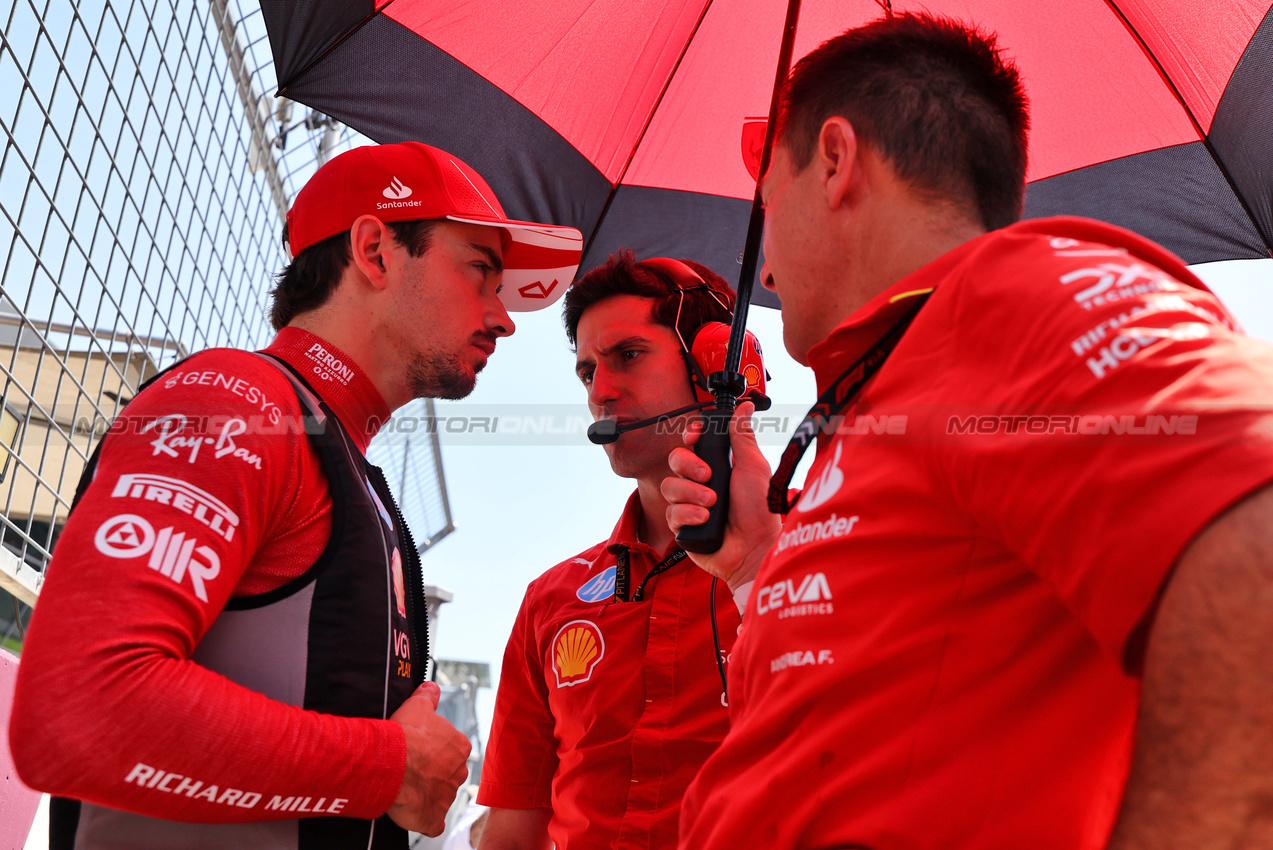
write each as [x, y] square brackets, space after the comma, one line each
[750, 528]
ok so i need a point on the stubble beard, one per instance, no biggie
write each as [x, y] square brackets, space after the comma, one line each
[435, 375]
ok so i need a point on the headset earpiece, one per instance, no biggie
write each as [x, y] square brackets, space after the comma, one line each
[704, 352]
[708, 354]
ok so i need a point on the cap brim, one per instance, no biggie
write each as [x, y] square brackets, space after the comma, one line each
[539, 264]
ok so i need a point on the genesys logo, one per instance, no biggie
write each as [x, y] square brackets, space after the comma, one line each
[174, 555]
[171, 436]
[183, 496]
[598, 587]
[825, 485]
[812, 595]
[234, 384]
[577, 649]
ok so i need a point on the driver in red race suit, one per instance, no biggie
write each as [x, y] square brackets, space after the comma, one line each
[610, 697]
[1023, 600]
[230, 646]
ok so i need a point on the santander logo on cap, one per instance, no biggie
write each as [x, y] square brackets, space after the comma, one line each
[396, 191]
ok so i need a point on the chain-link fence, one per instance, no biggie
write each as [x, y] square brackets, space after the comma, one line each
[144, 174]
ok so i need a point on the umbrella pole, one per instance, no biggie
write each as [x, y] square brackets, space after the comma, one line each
[756, 225]
[728, 385]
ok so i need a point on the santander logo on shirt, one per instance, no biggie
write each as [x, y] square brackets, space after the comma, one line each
[826, 485]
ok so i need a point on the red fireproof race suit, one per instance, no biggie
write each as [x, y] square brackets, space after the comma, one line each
[942, 648]
[107, 682]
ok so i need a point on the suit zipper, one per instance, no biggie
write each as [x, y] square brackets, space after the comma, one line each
[415, 586]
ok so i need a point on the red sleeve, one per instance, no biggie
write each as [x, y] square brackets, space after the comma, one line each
[194, 482]
[521, 758]
[1156, 416]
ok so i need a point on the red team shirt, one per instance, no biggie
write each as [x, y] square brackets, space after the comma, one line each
[607, 709]
[106, 666]
[941, 650]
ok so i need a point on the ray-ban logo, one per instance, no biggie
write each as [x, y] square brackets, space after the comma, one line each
[397, 191]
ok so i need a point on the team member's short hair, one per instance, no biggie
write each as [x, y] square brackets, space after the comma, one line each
[935, 97]
[310, 279]
[622, 275]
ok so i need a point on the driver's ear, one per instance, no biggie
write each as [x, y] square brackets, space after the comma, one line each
[369, 240]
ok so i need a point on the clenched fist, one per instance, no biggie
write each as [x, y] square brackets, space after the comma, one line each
[437, 763]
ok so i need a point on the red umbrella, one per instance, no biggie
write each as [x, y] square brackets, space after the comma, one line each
[623, 119]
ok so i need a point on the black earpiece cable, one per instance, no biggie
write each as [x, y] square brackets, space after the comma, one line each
[720, 662]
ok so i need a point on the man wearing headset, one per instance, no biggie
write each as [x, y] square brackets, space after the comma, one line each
[611, 692]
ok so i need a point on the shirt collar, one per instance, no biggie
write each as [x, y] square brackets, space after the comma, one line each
[340, 382]
[851, 339]
[625, 534]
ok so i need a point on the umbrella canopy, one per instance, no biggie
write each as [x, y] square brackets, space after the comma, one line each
[625, 119]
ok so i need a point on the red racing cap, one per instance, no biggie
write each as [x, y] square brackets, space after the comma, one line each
[412, 181]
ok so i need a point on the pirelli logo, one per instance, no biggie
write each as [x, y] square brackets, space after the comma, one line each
[183, 496]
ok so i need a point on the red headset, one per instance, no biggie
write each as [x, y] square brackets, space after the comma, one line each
[705, 352]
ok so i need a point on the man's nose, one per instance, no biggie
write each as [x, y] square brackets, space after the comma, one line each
[603, 389]
[498, 321]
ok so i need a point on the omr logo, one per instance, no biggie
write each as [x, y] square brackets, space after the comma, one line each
[537, 289]
[129, 536]
[396, 191]
[577, 649]
[125, 536]
[598, 587]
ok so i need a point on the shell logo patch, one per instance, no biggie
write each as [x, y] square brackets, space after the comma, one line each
[576, 650]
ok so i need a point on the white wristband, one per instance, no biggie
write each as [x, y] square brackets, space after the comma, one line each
[741, 594]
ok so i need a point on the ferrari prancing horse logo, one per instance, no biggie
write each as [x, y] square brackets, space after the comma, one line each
[576, 650]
